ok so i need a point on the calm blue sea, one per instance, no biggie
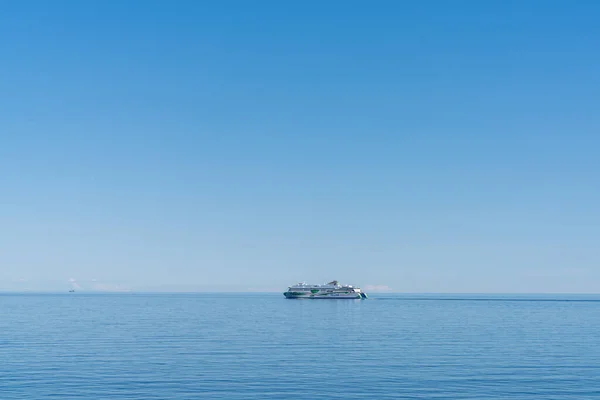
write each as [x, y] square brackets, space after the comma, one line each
[262, 346]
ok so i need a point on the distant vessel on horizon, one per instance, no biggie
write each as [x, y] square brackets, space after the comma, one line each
[331, 290]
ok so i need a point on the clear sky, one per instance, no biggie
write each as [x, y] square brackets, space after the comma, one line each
[429, 146]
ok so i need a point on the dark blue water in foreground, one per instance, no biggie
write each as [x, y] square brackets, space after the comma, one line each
[136, 346]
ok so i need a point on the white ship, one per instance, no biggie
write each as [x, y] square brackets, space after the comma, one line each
[331, 290]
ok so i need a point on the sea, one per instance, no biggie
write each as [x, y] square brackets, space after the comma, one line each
[263, 346]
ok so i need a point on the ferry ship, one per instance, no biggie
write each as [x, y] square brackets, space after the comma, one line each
[331, 290]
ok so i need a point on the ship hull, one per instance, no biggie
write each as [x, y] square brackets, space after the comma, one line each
[334, 296]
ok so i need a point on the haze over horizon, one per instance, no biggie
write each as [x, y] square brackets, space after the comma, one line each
[415, 146]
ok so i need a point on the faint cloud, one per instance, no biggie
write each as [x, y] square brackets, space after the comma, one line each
[110, 287]
[377, 288]
[557, 272]
[74, 284]
[264, 289]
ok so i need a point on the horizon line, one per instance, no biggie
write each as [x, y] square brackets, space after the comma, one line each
[277, 292]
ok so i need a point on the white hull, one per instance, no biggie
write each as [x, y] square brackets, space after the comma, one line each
[323, 296]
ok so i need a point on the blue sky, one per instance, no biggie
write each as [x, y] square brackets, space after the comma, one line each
[429, 146]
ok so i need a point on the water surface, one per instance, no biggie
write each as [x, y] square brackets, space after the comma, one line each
[262, 346]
